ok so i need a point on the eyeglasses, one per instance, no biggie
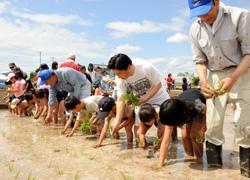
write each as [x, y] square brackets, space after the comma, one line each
[12, 67]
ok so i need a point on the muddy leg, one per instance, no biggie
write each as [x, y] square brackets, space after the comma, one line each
[186, 139]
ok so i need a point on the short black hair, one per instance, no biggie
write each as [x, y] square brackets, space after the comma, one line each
[119, 62]
[90, 67]
[184, 80]
[146, 112]
[54, 65]
[28, 96]
[41, 93]
[71, 102]
[18, 74]
[174, 112]
[42, 67]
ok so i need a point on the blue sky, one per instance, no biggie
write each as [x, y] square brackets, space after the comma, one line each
[155, 31]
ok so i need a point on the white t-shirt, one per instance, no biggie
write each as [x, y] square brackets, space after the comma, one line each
[144, 78]
[91, 106]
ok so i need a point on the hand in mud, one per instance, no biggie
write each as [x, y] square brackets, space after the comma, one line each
[115, 135]
[97, 145]
[48, 120]
[63, 132]
[69, 135]
[36, 117]
[115, 130]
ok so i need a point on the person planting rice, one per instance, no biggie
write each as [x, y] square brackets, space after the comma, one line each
[107, 111]
[64, 79]
[149, 116]
[220, 41]
[188, 112]
[86, 107]
[141, 79]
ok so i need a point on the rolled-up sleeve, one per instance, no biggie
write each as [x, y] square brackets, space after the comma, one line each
[52, 97]
[244, 33]
[198, 56]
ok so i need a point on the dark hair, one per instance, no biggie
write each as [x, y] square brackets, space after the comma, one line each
[7, 83]
[41, 93]
[174, 112]
[18, 74]
[90, 67]
[119, 62]
[146, 112]
[54, 65]
[70, 102]
[12, 64]
[28, 96]
[42, 67]
[83, 67]
[184, 80]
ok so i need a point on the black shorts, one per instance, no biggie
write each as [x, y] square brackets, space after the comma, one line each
[61, 95]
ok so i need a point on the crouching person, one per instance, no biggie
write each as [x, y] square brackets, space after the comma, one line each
[187, 111]
[86, 107]
[149, 117]
[107, 111]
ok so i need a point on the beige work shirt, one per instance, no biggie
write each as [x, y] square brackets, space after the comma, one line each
[224, 43]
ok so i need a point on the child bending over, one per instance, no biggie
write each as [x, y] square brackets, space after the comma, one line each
[107, 111]
[189, 113]
[149, 117]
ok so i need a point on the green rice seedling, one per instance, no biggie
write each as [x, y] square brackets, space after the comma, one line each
[11, 167]
[110, 168]
[86, 127]
[92, 157]
[125, 176]
[76, 177]
[30, 177]
[17, 174]
[156, 141]
[59, 172]
[49, 164]
[131, 98]
[198, 138]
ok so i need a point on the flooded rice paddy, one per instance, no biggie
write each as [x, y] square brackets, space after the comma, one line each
[30, 150]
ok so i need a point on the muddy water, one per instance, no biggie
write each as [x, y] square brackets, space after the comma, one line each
[29, 150]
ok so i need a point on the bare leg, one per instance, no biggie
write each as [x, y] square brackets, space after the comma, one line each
[186, 139]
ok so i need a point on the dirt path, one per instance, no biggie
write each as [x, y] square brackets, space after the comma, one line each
[29, 150]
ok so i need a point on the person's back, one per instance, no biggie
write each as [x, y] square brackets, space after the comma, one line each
[70, 64]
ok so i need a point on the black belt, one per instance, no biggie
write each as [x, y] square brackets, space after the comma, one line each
[230, 67]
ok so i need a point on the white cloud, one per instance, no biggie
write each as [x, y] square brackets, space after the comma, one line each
[23, 35]
[127, 49]
[53, 19]
[167, 65]
[123, 29]
[178, 38]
